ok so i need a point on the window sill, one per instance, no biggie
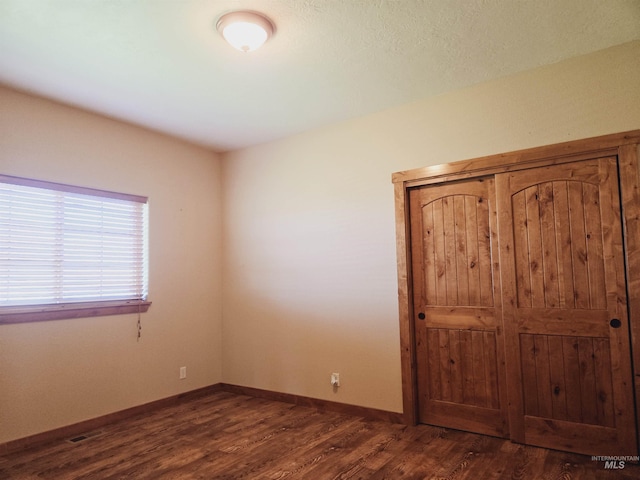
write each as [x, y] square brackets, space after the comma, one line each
[40, 313]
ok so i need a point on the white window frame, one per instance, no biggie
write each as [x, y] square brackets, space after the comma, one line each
[134, 300]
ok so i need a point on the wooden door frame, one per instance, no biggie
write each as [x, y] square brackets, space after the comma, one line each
[625, 145]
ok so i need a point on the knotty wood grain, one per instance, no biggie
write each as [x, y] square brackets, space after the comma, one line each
[629, 161]
[228, 436]
[458, 362]
[574, 249]
[594, 234]
[405, 307]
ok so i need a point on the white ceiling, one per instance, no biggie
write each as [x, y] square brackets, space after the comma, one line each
[161, 64]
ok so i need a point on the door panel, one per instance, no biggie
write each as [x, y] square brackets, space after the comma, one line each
[563, 281]
[459, 345]
[463, 366]
[559, 369]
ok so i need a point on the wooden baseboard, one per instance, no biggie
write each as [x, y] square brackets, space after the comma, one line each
[85, 426]
[93, 424]
[322, 405]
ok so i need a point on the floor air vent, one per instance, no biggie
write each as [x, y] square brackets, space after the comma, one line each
[83, 437]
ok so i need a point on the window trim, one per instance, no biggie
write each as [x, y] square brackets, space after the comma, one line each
[61, 311]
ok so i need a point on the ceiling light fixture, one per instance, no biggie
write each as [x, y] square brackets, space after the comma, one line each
[246, 31]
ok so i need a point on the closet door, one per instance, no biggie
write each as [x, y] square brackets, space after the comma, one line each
[459, 347]
[565, 313]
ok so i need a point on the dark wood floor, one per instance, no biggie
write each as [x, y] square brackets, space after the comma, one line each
[229, 436]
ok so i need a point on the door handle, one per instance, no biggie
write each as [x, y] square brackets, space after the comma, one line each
[421, 316]
[615, 323]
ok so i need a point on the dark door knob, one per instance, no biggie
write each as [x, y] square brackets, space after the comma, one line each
[615, 323]
[421, 316]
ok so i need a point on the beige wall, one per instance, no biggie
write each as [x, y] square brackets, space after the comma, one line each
[60, 372]
[309, 255]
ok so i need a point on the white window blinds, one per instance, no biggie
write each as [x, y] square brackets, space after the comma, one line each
[61, 244]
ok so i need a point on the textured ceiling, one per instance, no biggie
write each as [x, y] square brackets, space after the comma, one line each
[161, 64]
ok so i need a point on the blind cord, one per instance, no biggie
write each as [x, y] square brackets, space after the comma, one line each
[139, 321]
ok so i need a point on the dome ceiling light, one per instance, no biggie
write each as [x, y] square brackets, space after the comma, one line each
[244, 30]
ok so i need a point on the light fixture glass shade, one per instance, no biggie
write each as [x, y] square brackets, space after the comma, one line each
[246, 31]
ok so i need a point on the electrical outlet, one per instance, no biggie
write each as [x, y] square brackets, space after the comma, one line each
[335, 379]
[183, 373]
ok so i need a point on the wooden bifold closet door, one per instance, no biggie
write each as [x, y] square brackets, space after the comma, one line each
[459, 347]
[565, 315]
[519, 307]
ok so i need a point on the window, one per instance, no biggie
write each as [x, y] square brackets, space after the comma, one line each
[68, 252]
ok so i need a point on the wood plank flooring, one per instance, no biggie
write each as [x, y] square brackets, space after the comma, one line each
[229, 436]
